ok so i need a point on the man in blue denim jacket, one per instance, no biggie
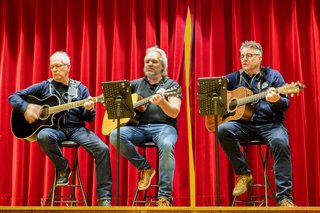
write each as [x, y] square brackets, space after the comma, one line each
[266, 123]
[69, 125]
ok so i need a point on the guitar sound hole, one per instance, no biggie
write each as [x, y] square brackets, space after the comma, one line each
[44, 113]
[233, 105]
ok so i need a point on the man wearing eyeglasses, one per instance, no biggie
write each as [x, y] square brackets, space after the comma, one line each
[266, 123]
[70, 125]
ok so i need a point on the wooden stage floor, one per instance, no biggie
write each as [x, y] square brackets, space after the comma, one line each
[94, 209]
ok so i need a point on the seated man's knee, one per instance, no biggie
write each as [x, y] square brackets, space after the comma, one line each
[223, 131]
[44, 138]
[280, 143]
[113, 138]
[166, 147]
[41, 136]
[104, 149]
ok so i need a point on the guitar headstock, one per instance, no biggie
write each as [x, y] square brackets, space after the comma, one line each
[100, 99]
[171, 92]
[292, 88]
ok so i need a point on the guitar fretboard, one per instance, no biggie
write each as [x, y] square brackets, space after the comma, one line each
[75, 104]
[141, 102]
[251, 98]
[146, 100]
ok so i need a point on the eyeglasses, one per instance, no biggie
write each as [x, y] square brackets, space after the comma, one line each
[58, 66]
[248, 56]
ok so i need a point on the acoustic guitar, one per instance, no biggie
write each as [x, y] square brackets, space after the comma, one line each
[108, 125]
[52, 112]
[239, 103]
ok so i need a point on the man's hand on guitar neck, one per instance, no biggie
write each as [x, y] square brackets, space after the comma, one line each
[170, 107]
[272, 95]
[32, 113]
[89, 104]
[157, 99]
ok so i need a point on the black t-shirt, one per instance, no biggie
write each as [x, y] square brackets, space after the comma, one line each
[153, 113]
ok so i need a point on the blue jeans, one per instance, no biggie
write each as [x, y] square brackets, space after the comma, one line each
[49, 139]
[164, 136]
[231, 134]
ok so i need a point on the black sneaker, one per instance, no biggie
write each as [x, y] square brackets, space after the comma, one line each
[104, 202]
[63, 178]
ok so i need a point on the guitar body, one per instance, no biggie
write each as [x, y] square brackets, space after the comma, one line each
[139, 104]
[235, 112]
[22, 129]
[108, 125]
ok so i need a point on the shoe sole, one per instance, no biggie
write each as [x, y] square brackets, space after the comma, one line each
[65, 184]
[241, 193]
[147, 186]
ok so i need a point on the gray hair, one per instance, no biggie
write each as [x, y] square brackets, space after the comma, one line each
[60, 56]
[252, 44]
[163, 59]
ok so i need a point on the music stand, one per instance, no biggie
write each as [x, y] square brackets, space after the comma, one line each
[118, 103]
[212, 96]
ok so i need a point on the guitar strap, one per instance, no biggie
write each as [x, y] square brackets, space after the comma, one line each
[262, 81]
[72, 89]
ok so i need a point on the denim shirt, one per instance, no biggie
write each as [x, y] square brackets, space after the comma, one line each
[75, 117]
[263, 111]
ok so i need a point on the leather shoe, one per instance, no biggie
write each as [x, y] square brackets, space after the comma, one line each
[165, 202]
[63, 178]
[242, 184]
[146, 176]
[286, 203]
[104, 202]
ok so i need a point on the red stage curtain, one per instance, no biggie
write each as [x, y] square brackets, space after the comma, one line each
[289, 34]
[106, 41]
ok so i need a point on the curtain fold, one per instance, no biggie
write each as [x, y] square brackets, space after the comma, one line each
[289, 34]
[106, 41]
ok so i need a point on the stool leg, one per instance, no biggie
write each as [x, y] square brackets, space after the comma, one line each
[265, 164]
[135, 197]
[54, 186]
[234, 201]
[79, 180]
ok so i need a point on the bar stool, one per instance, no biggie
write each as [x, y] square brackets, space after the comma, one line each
[258, 199]
[148, 198]
[71, 198]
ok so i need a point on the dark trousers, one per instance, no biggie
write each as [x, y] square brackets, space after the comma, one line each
[49, 139]
[231, 134]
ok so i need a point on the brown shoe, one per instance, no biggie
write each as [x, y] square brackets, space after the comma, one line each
[164, 202]
[146, 176]
[242, 184]
[286, 203]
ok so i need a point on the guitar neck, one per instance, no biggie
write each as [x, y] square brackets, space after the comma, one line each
[167, 93]
[251, 98]
[256, 97]
[141, 102]
[63, 107]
